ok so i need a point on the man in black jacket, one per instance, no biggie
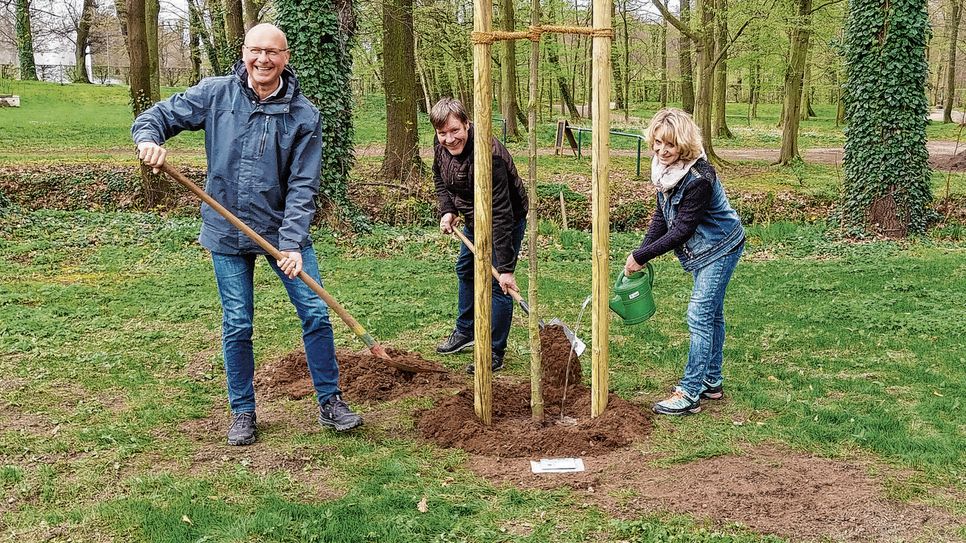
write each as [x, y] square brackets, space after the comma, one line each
[453, 176]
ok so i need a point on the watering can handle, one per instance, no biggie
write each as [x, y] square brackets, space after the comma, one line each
[650, 276]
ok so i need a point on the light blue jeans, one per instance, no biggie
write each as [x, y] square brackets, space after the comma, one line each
[235, 275]
[706, 322]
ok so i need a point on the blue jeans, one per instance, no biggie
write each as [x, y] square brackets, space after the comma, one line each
[235, 276]
[706, 322]
[502, 314]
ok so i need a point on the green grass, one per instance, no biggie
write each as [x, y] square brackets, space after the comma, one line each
[835, 348]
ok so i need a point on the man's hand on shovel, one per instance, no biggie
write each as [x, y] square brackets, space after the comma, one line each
[508, 282]
[290, 264]
[152, 154]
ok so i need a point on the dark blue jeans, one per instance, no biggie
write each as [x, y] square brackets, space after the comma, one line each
[502, 314]
[235, 275]
[706, 322]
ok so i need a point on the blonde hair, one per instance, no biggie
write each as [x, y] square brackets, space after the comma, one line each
[676, 127]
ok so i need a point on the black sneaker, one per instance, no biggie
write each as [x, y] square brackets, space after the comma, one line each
[336, 414]
[712, 391]
[455, 343]
[497, 364]
[242, 429]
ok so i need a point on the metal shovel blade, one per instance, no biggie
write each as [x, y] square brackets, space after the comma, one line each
[578, 346]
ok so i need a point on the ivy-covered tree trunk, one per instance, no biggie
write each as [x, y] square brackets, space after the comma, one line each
[234, 25]
[952, 33]
[792, 107]
[219, 39]
[252, 9]
[196, 19]
[25, 42]
[156, 188]
[320, 35]
[82, 41]
[684, 60]
[194, 46]
[401, 160]
[886, 188]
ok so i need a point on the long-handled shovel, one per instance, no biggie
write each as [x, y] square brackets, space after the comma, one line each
[374, 347]
[577, 346]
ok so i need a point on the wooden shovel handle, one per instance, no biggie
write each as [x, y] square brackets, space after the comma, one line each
[496, 275]
[353, 324]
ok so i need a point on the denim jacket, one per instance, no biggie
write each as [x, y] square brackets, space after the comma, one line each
[719, 230]
[264, 157]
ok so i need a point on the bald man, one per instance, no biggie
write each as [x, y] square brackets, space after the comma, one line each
[263, 141]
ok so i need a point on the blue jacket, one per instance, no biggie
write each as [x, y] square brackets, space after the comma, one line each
[264, 158]
[719, 228]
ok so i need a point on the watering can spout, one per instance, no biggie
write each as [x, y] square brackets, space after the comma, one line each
[633, 300]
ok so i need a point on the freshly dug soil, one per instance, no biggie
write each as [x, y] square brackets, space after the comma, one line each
[362, 377]
[567, 428]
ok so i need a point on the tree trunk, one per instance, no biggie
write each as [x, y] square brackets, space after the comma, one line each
[25, 42]
[197, 22]
[791, 110]
[510, 106]
[886, 189]
[82, 41]
[565, 96]
[627, 67]
[401, 160]
[252, 8]
[615, 55]
[194, 46]
[234, 25]
[705, 51]
[152, 8]
[952, 33]
[219, 39]
[755, 90]
[684, 56]
[807, 111]
[720, 128]
[156, 188]
[663, 64]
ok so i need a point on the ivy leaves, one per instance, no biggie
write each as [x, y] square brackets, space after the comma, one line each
[885, 146]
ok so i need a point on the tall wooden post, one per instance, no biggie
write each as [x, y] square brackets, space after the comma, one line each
[536, 364]
[600, 191]
[482, 212]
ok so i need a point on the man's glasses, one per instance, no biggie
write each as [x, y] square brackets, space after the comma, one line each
[272, 53]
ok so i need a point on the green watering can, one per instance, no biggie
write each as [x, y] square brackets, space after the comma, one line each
[632, 298]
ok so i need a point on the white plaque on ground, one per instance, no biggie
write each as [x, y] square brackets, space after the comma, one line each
[557, 465]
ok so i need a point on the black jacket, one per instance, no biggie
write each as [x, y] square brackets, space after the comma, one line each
[453, 176]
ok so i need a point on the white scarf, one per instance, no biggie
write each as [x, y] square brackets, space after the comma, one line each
[665, 178]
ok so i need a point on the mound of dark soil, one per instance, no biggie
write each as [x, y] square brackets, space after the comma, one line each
[362, 377]
[567, 428]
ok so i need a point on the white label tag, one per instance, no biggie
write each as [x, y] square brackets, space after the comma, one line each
[633, 295]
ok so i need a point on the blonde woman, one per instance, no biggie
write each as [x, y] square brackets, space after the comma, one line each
[694, 219]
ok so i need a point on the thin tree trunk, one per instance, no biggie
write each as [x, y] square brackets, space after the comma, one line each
[720, 127]
[211, 51]
[82, 41]
[627, 66]
[156, 188]
[401, 160]
[508, 100]
[663, 64]
[565, 96]
[615, 62]
[25, 42]
[152, 8]
[791, 112]
[807, 111]
[952, 33]
[194, 46]
[684, 56]
[705, 52]
[755, 94]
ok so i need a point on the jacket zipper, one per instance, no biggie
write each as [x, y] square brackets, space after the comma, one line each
[261, 146]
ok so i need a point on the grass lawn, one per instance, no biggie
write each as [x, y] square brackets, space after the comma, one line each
[847, 351]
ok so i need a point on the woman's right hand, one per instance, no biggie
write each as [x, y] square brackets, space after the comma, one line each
[447, 222]
[631, 265]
